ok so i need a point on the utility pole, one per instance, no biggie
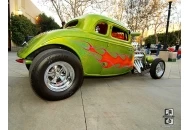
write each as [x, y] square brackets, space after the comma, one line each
[9, 32]
[167, 26]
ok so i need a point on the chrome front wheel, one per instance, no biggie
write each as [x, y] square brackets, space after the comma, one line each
[157, 68]
[160, 68]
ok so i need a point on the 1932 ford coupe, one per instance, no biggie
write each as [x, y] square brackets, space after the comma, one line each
[90, 45]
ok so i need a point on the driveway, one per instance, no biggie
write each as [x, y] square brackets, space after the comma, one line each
[127, 102]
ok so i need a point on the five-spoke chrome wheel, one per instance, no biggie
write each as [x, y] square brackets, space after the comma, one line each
[59, 76]
[56, 74]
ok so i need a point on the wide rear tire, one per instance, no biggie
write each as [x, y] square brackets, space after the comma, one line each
[28, 66]
[56, 74]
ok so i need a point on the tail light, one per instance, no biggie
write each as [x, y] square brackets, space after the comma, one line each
[20, 60]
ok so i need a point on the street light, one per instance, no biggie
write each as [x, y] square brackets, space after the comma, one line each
[168, 19]
[37, 19]
[19, 12]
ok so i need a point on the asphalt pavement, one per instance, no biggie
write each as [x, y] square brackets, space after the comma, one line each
[127, 102]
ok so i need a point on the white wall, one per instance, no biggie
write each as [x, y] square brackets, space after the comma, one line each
[27, 7]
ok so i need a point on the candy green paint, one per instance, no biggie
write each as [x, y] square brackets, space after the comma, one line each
[28, 61]
[149, 59]
[135, 34]
[100, 55]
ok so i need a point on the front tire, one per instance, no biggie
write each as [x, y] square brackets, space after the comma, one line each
[157, 68]
[56, 74]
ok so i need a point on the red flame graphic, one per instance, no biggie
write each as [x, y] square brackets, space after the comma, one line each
[110, 60]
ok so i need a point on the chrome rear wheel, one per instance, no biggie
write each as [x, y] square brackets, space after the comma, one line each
[56, 74]
[59, 76]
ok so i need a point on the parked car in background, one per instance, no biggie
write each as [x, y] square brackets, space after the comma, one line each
[153, 48]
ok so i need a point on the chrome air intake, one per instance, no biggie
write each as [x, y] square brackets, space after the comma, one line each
[138, 61]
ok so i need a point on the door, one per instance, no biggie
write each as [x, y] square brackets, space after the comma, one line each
[97, 43]
[119, 53]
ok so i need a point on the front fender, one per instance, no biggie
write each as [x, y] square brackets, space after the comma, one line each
[149, 59]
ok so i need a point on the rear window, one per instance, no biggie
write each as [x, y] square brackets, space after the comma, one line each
[72, 23]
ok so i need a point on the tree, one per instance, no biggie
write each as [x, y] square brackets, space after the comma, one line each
[69, 9]
[161, 37]
[138, 13]
[46, 23]
[159, 17]
[176, 22]
[21, 27]
[112, 8]
[146, 14]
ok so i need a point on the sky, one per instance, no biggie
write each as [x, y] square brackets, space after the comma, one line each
[46, 11]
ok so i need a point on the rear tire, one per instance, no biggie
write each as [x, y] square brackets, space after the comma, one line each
[56, 74]
[157, 68]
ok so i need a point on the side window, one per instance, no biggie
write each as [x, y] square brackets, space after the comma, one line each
[71, 23]
[101, 28]
[119, 33]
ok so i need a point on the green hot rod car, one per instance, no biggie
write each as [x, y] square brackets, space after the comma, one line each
[90, 45]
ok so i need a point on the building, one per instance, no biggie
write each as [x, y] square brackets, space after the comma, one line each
[25, 7]
[22, 7]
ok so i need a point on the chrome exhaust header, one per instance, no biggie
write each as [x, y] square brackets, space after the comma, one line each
[138, 65]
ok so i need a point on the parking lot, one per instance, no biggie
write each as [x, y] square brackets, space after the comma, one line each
[127, 102]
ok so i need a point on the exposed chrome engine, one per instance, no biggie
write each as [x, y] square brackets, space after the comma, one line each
[138, 62]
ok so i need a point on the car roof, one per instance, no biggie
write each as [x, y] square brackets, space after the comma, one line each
[99, 17]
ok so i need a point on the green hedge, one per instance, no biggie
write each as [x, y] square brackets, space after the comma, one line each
[173, 37]
[21, 27]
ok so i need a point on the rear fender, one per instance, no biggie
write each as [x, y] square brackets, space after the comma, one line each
[32, 55]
